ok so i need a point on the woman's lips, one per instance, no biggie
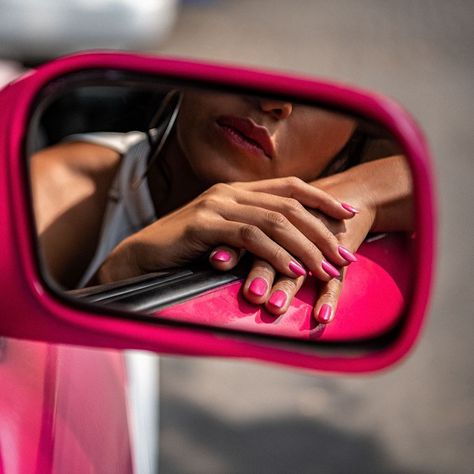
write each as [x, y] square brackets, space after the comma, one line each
[246, 134]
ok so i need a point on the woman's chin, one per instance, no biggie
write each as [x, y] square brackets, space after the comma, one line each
[229, 170]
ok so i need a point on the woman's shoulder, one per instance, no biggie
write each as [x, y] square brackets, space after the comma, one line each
[70, 182]
[74, 158]
[85, 156]
[69, 177]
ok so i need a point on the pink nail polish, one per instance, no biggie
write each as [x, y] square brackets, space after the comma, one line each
[258, 287]
[330, 270]
[324, 314]
[346, 254]
[297, 269]
[349, 208]
[221, 256]
[278, 299]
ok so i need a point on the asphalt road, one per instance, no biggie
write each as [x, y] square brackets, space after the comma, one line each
[222, 416]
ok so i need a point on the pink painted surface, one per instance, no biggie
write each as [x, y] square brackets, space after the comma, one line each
[62, 409]
[375, 292]
[31, 311]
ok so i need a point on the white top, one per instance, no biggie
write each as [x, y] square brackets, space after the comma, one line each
[128, 209]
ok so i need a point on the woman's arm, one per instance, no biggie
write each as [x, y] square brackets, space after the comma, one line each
[381, 189]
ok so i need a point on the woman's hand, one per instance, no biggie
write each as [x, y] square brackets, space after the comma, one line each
[269, 218]
[381, 192]
[264, 286]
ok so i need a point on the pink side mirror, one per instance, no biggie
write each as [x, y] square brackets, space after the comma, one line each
[193, 309]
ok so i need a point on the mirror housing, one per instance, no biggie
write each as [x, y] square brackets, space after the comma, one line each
[29, 310]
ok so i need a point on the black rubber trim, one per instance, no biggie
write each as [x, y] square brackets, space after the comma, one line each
[110, 291]
[156, 291]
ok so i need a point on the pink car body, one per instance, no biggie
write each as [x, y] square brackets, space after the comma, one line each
[51, 420]
[44, 383]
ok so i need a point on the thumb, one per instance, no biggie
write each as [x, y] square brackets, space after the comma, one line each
[224, 257]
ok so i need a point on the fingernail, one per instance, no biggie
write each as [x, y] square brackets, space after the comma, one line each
[349, 208]
[221, 256]
[346, 254]
[278, 299]
[324, 314]
[330, 270]
[297, 269]
[258, 287]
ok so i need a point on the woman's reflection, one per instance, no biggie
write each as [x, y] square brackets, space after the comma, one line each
[298, 187]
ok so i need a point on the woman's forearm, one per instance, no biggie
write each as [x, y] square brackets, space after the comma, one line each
[383, 187]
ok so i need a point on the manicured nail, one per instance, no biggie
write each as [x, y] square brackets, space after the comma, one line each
[221, 256]
[330, 270]
[258, 287]
[349, 208]
[324, 314]
[278, 299]
[296, 268]
[346, 254]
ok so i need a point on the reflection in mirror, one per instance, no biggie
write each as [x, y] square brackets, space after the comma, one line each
[254, 213]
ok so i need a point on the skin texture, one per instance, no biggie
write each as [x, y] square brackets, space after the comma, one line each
[213, 190]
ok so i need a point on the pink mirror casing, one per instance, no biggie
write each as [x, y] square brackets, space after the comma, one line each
[29, 310]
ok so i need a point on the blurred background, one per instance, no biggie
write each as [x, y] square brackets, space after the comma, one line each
[222, 416]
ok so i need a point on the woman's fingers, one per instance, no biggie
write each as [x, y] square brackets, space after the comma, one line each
[281, 241]
[307, 194]
[260, 287]
[259, 282]
[283, 220]
[225, 257]
[310, 224]
[282, 294]
[252, 238]
[325, 307]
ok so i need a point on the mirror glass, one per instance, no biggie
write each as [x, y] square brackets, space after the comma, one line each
[177, 202]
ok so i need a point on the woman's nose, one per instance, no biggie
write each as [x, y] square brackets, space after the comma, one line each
[278, 109]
